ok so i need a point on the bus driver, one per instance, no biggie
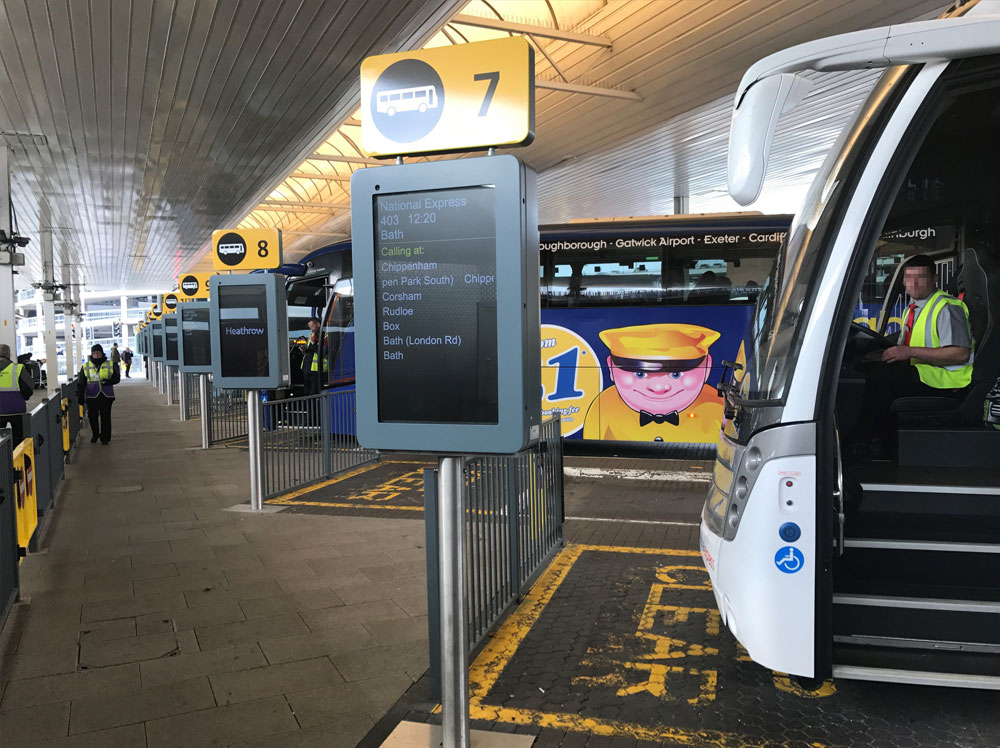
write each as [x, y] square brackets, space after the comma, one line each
[933, 356]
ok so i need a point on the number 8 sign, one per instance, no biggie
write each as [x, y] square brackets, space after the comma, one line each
[246, 249]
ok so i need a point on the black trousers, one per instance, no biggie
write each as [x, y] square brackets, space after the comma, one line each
[311, 382]
[99, 412]
[128, 367]
[886, 383]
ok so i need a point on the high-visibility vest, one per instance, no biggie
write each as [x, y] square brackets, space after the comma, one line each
[97, 378]
[318, 360]
[925, 334]
[11, 399]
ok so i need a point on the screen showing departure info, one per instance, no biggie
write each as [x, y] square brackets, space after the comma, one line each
[196, 339]
[243, 331]
[436, 306]
[157, 344]
[170, 337]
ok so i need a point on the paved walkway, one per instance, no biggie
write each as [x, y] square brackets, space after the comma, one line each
[157, 617]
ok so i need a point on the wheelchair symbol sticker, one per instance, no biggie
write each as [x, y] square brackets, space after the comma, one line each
[789, 559]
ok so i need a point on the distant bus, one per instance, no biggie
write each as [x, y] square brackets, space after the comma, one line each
[417, 99]
[665, 276]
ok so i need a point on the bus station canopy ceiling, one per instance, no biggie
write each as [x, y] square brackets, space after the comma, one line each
[137, 127]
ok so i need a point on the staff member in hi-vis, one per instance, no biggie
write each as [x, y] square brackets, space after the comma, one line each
[660, 392]
[96, 382]
[16, 389]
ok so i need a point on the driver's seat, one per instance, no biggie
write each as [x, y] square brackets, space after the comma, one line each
[979, 285]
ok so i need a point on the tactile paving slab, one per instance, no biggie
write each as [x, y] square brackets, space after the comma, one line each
[628, 642]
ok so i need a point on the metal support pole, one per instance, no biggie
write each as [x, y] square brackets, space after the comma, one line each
[454, 631]
[160, 371]
[182, 395]
[513, 526]
[205, 408]
[78, 338]
[48, 298]
[169, 384]
[8, 327]
[68, 344]
[325, 402]
[79, 325]
[253, 438]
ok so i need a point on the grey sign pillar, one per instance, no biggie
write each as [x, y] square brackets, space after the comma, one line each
[205, 409]
[454, 631]
[8, 330]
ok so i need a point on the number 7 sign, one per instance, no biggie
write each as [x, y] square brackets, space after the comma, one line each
[449, 99]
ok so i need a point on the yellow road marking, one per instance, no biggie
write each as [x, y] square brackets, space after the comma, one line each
[497, 653]
[285, 497]
[344, 505]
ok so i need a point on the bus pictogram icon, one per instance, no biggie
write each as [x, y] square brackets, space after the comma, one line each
[416, 99]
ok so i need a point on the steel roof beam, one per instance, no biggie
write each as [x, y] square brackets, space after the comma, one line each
[527, 28]
[293, 211]
[305, 204]
[319, 177]
[338, 159]
[612, 93]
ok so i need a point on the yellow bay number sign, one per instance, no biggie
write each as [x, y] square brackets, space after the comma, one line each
[246, 249]
[455, 98]
[193, 285]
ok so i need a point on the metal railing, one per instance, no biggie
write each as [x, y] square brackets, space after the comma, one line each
[303, 440]
[44, 427]
[228, 415]
[514, 525]
[9, 581]
[174, 373]
[192, 397]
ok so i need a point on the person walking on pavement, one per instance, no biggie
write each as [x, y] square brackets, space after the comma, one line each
[116, 356]
[96, 382]
[127, 360]
[16, 389]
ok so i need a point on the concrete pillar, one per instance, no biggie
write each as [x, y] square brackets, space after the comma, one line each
[48, 297]
[69, 308]
[682, 204]
[78, 294]
[8, 325]
[84, 339]
[124, 313]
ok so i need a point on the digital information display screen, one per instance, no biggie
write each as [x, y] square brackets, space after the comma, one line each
[157, 344]
[436, 306]
[196, 338]
[170, 338]
[243, 331]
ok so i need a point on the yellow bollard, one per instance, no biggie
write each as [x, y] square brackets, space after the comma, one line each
[65, 425]
[25, 495]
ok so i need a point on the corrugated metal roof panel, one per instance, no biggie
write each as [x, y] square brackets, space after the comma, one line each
[166, 118]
